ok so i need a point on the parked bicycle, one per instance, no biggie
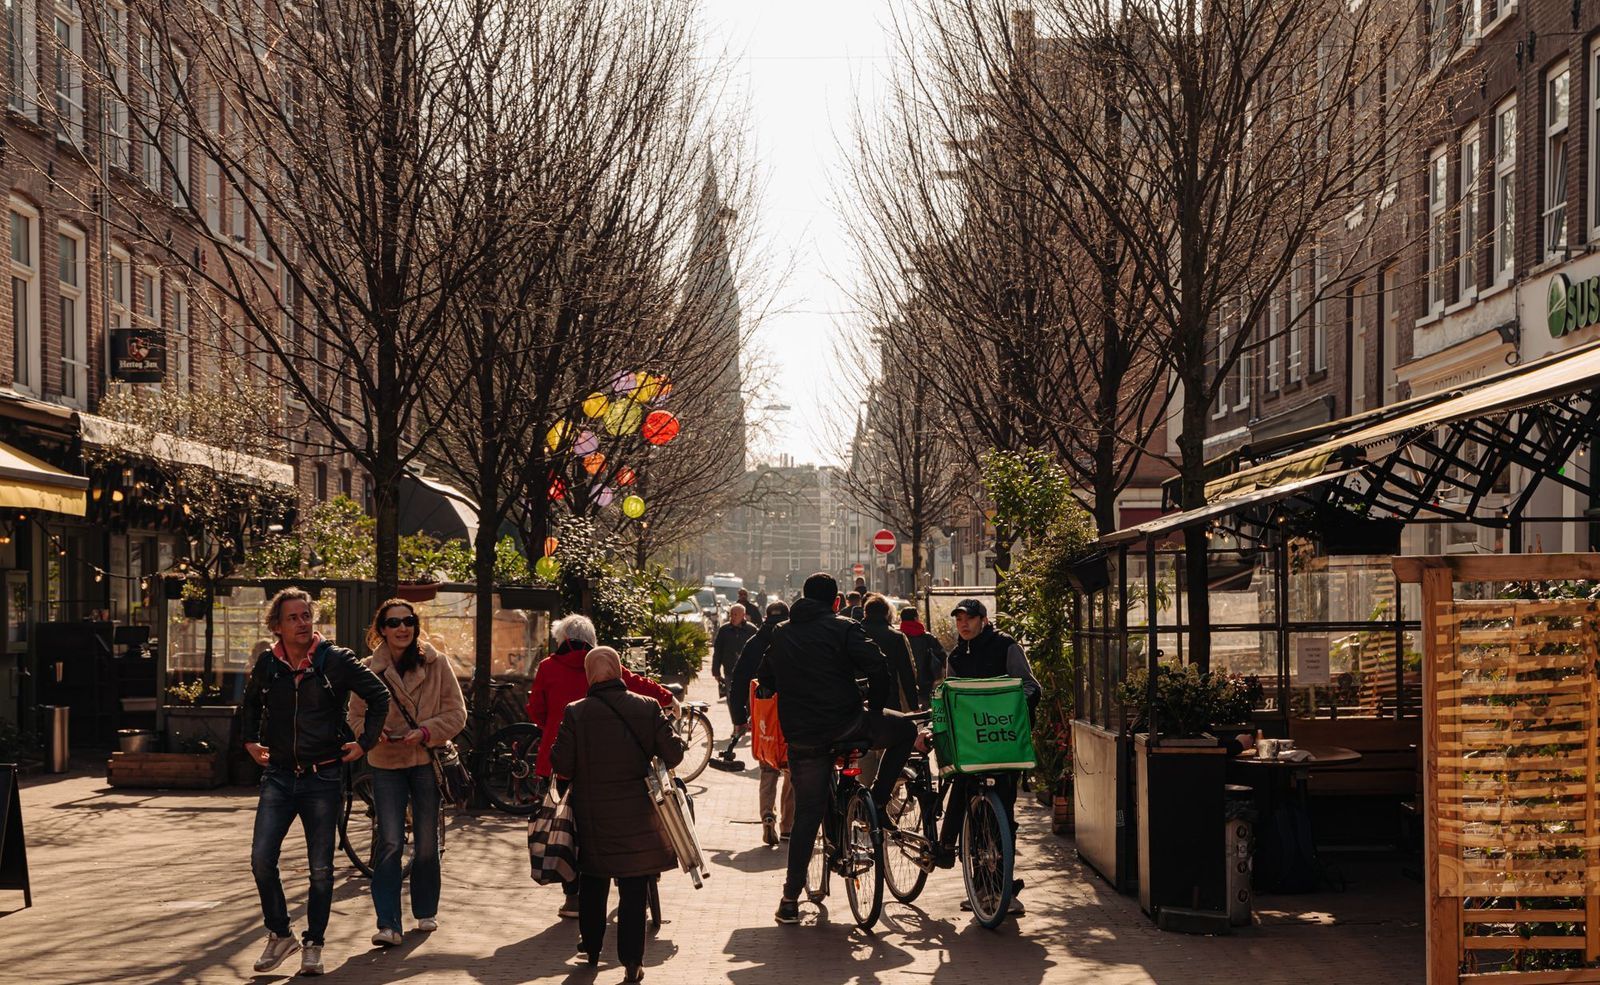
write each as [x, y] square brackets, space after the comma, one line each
[985, 849]
[850, 843]
[504, 768]
[358, 824]
[693, 728]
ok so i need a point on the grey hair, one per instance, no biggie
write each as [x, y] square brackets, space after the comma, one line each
[736, 605]
[575, 629]
[602, 664]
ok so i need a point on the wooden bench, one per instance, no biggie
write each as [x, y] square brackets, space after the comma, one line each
[1388, 765]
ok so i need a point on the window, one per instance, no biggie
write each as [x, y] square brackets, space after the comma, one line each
[344, 482]
[71, 270]
[1319, 315]
[320, 482]
[1356, 307]
[24, 228]
[236, 213]
[69, 70]
[121, 278]
[1223, 380]
[1247, 363]
[1389, 315]
[1439, 40]
[1274, 344]
[178, 338]
[1557, 106]
[1389, 95]
[1594, 141]
[1466, 247]
[148, 313]
[116, 105]
[22, 57]
[1471, 20]
[1438, 229]
[1297, 307]
[177, 84]
[1505, 191]
[149, 129]
[289, 331]
[213, 166]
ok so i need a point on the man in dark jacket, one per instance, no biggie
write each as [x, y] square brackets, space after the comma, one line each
[739, 710]
[752, 611]
[926, 653]
[813, 664]
[294, 726]
[852, 606]
[730, 641]
[604, 747]
[896, 651]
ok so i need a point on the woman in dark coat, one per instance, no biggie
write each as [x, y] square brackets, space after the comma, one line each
[604, 747]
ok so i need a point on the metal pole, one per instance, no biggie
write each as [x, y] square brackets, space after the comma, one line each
[1151, 657]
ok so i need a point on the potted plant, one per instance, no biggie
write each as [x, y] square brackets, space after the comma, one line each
[197, 724]
[196, 600]
[419, 563]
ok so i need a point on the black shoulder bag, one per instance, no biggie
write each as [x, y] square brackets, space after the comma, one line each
[455, 780]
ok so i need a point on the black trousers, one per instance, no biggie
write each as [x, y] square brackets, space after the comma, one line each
[810, 772]
[961, 790]
[594, 894]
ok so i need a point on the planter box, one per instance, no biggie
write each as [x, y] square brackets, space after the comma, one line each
[216, 724]
[1182, 871]
[1102, 804]
[417, 591]
[172, 770]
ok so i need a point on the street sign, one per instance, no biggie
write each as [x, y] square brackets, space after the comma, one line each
[883, 542]
[859, 569]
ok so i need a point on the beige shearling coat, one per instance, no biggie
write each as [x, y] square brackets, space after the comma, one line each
[430, 692]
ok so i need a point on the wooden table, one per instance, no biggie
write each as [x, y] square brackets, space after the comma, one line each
[1286, 852]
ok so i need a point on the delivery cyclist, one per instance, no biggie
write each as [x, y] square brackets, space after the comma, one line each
[983, 651]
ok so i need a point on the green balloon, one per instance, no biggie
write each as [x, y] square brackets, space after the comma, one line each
[633, 507]
[547, 568]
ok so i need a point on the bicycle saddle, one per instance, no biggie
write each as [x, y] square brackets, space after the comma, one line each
[858, 746]
[676, 690]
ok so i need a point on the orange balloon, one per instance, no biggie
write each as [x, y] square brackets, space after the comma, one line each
[550, 544]
[625, 476]
[594, 462]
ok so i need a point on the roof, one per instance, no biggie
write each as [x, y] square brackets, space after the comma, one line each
[27, 483]
[1230, 504]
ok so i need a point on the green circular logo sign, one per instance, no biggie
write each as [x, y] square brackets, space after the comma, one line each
[1560, 289]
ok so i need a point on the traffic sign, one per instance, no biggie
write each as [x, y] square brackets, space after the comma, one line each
[859, 569]
[883, 542]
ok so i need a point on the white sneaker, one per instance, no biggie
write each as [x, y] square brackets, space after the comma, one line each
[386, 937]
[1017, 908]
[428, 924]
[311, 960]
[277, 949]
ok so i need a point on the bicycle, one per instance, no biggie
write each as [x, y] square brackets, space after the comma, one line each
[358, 823]
[986, 849]
[693, 728]
[850, 842]
[504, 770]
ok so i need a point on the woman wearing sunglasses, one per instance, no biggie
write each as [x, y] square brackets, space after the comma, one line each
[427, 710]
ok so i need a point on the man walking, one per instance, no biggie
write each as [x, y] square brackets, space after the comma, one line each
[752, 612]
[896, 650]
[730, 641]
[926, 653]
[739, 710]
[294, 726]
[813, 663]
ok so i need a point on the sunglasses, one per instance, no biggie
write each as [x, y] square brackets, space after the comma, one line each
[395, 623]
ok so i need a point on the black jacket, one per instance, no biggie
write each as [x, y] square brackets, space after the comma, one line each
[725, 649]
[929, 657]
[744, 672]
[993, 654]
[896, 651]
[606, 752]
[813, 663]
[300, 718]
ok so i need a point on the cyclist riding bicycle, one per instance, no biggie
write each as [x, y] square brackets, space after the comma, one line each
[813, 664]
[983, 651]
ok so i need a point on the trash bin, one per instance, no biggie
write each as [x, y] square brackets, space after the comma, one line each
[57, 750]
[1239, 815]
[135, 739]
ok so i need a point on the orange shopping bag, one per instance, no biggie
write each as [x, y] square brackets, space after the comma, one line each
[766, 735]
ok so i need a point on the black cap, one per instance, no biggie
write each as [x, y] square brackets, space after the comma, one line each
[971, 607]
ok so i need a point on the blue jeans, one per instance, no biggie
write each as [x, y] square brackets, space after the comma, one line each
[391, 789]
[316, 798]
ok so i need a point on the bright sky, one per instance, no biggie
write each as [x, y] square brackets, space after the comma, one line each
[801, 69]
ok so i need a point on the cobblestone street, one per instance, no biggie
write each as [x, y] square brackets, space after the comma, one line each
[152, 887]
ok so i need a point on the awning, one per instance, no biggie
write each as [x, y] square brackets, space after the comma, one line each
[107, 433]
[441, 511]
[26, 483]
[1235, 503]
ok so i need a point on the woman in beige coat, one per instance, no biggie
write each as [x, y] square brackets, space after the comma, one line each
[423, 683]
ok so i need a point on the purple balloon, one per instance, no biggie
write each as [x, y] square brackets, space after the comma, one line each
[604, 496]
[586, 443]
[625, 382]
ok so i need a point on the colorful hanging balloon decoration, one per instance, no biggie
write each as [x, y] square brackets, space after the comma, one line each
[651, 388]
[594, 462]
[622, 417]
[626, 476]
[550, 545]
[632, 507]
[603, 495]
[547, 568]
[556, 435]
[624, 382]
[595, 405]
[586, 443]
[660, 427]
[558, 489]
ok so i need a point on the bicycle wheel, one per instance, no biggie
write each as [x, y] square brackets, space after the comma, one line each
[861, 857]
[695, 730]
[506, 769]
[986, 858]
[358, 826]
[906, 844]
[817, 869]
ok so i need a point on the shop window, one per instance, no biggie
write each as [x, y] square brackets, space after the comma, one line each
[1557, 110]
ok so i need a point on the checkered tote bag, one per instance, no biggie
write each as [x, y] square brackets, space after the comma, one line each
[553, 841]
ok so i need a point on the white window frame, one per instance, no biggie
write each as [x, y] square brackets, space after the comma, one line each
[1471, 21]
[147, 297]
[22, 56]
[1555, 229]
[149, 98]
[238, 223]
[1274, 343]
[1297, 308]
[23, 282]
[1319, 312]
[120, 280]
[213, 176]
[1505, 191]
[1245, 368]
[289, 330]
[178, 337]
[177, 78]
[1437, 178]
[116, 102]
[1358, 349]
[1223, 329]
[67, 34]
[74, 326]
[1467, 227]
[1594, 140]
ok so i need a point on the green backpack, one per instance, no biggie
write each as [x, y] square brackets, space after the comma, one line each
[982, 725]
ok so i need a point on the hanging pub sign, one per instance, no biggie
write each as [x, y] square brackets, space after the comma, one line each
[137, 355]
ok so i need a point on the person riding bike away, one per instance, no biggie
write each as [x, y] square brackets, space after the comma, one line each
[813, 664]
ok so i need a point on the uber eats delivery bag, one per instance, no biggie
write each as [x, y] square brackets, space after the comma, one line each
[981, 725]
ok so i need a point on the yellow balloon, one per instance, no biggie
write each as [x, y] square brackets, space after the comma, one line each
[556, 435]
[596, 405]
[547, 568]
[622, 417]
[633, 507]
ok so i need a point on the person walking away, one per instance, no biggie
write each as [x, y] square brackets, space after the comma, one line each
[426, 710]
[294, 727]
[774, 827]
[983, 651]
[926, 652]
[559, 681]
[896, 651]
[853, 607]
[813, 663]
[727, 646]
[604, 747]
[752, 612]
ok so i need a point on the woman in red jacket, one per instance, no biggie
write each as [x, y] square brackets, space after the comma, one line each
[559, 681]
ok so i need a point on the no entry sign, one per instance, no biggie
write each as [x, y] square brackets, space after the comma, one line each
[859, 569]
[883, 542]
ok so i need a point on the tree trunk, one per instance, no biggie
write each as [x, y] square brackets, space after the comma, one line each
[483, 624]
[1196, 563]
[386, 506]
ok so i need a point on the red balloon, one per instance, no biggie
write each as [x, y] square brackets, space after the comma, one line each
[625, 476]
[660, 427]
[558, 489]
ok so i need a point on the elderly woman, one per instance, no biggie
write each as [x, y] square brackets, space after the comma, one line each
[604, 748]
[427, 710]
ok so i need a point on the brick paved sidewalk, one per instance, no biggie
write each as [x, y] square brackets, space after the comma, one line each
[155, 887]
